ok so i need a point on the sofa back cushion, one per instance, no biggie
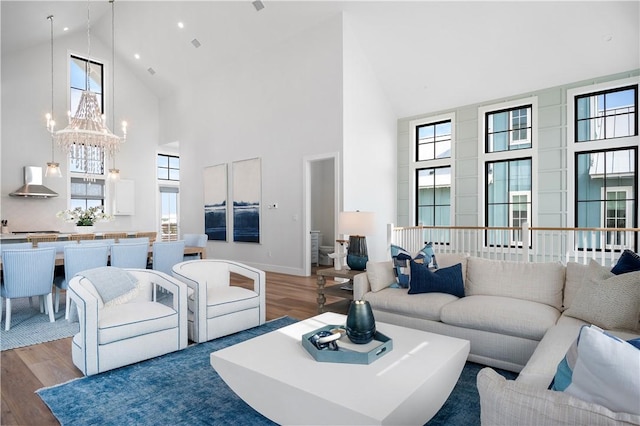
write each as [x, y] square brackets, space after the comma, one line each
[380, 275]
[538, 282]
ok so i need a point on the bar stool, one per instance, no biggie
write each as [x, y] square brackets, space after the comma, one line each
[78, 237]
[36, 238]
[114, 235]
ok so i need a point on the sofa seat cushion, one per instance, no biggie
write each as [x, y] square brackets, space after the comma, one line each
[225, 300]
[397, 300]
[538, 282]
[541, 367]
[124, 321]
[503, 315]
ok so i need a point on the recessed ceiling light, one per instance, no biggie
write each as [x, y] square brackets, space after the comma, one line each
[136, 56]
[65, 29]
[180, 25]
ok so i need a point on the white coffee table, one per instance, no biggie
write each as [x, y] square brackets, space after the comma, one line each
[276, 376]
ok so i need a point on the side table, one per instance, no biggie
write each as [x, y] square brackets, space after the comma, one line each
[334, 273]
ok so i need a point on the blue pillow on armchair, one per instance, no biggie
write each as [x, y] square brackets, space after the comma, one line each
[444, 280]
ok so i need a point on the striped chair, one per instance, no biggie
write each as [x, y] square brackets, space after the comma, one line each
[27, 273]
[130, 255]
[78, 258]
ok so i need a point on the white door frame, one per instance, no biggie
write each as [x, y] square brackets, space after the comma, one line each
[307, 160]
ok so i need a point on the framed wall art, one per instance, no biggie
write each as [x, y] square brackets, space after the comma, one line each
[247, 195]
[215, 202]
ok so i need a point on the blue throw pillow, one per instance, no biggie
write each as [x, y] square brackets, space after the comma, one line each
[445, 280]
[401, 259]
[628, 262]
[634, 342]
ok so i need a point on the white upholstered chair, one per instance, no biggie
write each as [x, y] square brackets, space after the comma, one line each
[131, 331]
[217, 308]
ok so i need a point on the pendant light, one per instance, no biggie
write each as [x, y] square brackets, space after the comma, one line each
[53, 168]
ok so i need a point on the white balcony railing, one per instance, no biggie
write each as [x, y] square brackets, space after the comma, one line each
[522, 244]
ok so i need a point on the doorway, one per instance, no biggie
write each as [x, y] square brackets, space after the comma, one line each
[321, 207]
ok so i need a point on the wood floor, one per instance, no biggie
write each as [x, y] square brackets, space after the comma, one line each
[25, 370]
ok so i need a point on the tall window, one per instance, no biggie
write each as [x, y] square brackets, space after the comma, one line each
[508, 161]
[508, 129]
[433, 143]
[508, 197]
[78, 69]
[605, 191]
[607, 114]
[168, 174]
[168, 167]
[433, 196]
[603, 148]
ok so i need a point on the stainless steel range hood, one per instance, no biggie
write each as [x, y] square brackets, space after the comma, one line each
[33, 187]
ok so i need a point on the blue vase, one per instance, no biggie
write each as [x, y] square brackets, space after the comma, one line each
[361, 326]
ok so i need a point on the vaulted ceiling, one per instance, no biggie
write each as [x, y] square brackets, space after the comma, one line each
[427, 55]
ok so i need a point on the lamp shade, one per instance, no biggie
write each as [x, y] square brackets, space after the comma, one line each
[357, 223]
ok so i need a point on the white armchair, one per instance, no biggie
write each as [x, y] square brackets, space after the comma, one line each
[217, 308]
[132, 331]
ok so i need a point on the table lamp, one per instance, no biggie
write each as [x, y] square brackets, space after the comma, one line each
[357, 225]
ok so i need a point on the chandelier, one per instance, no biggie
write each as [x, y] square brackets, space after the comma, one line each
[87, 138]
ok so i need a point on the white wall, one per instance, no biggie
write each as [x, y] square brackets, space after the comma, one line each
[280, 105]
[369, 161]
[26, 97]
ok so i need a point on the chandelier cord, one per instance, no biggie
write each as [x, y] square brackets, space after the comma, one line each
[113, 72]
[88, 81]
[50, 18]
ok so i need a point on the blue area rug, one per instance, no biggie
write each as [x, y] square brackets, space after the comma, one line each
[30, 327]
[182, 388]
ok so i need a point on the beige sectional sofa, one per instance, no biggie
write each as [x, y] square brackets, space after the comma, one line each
[516, 316]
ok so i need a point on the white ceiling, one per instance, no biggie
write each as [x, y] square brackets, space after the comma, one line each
[427, 55]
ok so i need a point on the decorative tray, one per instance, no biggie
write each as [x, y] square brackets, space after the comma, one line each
[348, 352]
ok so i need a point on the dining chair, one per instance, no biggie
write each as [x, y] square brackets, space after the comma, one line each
[81, 237]
[165, 254]
[151, 235]
[77, 258]
[130, 255]
[58, 245]
[114, 235]
[36, 238]
[194, 240]
[13, 246]
[134, 240]
[108, 241]
[27, 273]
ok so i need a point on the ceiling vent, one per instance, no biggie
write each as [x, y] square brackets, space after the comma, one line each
[151, 71]
[195, 43]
